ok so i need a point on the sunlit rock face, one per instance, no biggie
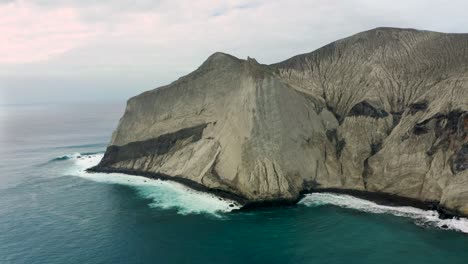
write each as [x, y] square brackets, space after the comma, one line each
[383, 111]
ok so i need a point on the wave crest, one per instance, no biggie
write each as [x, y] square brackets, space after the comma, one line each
[75, 156]
[421, 217]
[164, 194]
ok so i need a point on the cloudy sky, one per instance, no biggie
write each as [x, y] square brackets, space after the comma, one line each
[86, 50]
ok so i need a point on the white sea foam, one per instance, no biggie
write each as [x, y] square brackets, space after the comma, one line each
[164, 194]
[167, 194]
[421, 217]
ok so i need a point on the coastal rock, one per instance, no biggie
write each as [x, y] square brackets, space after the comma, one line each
[383, 111]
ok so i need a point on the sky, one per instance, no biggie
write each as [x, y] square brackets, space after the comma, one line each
[108, 50]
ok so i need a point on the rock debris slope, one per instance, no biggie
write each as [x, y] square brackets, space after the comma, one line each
[384, 111]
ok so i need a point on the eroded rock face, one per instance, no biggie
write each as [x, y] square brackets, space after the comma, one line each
[381, 111]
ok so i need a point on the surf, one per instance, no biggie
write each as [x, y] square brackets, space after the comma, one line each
[162, 194]
[425, 218]
[173, 195]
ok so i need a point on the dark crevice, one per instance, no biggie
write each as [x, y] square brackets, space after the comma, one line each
[337, 116]
[416, 107]
[375, 147]
[460, 162]
[420, 129]
[432, 150]
[396, 118]
[310, 184]
[365, 109]
[451, 131]
[366, 172]
[340, 144]
[332, 135]
[451, 124]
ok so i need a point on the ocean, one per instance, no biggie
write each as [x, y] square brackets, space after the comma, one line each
[52, 211]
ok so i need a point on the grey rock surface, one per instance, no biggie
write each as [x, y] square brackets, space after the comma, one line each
[383, 111]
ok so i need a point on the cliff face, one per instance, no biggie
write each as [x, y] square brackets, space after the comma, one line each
[382, 111]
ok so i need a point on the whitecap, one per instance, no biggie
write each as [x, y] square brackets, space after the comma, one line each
[66, 157]
[421, 217]
[163, 194]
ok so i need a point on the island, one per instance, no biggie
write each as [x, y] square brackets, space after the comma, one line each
[381, 114]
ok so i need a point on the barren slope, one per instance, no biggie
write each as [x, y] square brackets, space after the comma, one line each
[382, 111]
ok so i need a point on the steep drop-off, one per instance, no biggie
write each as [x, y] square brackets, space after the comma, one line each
[384, 111]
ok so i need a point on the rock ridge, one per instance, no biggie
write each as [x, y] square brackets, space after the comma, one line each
[384, 111]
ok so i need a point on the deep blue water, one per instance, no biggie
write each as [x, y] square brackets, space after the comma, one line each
[53, 212]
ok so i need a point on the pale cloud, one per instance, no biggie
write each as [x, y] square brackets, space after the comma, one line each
[30, 33]
[151, 43]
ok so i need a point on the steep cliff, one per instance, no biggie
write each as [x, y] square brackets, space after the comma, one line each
[384, 111]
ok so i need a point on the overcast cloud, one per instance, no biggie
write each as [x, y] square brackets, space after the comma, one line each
[65, 50]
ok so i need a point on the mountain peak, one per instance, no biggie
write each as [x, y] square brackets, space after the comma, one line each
[221, 56]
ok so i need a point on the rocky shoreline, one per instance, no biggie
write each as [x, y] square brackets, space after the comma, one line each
[246, 205]
[159, 176]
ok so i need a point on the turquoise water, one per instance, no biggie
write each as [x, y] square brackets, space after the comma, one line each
[51, 211]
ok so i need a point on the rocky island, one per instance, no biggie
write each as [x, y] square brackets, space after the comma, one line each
[383, 113]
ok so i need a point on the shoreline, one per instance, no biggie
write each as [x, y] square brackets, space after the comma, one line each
[186, 182]
[394, 200]
[246, 205]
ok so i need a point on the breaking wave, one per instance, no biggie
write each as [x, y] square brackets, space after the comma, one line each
[421, 217]
[173, 195]
[75, 156]
[164, 194]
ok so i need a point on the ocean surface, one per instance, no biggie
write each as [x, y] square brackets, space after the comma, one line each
[52, 211]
